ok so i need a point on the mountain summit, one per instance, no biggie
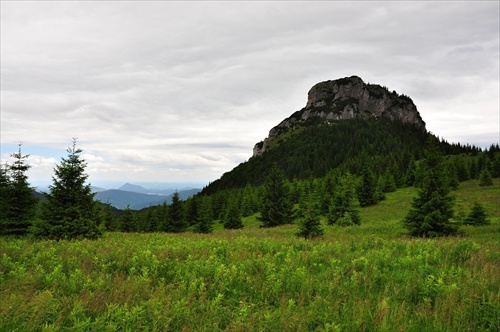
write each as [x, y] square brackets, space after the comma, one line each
[344, 99]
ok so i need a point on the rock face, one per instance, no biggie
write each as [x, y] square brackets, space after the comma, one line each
[345, 99]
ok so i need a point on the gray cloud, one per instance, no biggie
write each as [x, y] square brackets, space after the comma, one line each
[182, 90]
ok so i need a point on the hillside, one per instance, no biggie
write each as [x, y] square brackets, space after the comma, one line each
[345, 124]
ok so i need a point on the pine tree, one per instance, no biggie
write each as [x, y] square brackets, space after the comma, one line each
[452, 174]
[21, 201]
[128, 221]
[108, 217]
[192, 210]
[276, 206]
[233, 218]
[409, 179]
[5, 197]
[204, 222]
[343, 210]
[310, 223]
[485, 178]
[70, 210]
[367, 189]
[477, 215]
[460, 213]
[389, 182]
[495, 167]
[433, 207]
[176, 222]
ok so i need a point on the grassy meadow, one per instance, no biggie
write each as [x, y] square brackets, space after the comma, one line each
[363, 278]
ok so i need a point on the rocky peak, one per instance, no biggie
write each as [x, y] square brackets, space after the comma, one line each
[344, 99]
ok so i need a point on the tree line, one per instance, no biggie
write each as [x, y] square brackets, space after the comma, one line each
[69, 210]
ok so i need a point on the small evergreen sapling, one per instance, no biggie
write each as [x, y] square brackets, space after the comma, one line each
[477, 215]
[310, 224]
[233, 218]
[485, 178]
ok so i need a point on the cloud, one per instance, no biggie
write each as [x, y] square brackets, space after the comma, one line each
[183, 90]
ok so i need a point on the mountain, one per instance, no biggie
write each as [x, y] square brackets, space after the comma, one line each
[345, 125]
[122, 199]
[158, 188]
[133, 188]
[346, 99]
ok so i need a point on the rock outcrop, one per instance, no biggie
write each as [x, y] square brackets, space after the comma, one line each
[345, 99]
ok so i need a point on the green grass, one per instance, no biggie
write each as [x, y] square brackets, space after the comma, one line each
[366, 278]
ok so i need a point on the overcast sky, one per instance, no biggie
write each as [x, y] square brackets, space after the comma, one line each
[181, 91]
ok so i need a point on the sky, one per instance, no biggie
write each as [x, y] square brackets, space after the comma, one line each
[179, 92]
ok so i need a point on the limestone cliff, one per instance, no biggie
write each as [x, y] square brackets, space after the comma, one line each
[345, 99]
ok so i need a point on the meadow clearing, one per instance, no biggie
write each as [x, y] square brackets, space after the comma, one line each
[361, 278]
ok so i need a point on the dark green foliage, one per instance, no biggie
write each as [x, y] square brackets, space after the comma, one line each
[192, 207]
[309, 223]
[344, 206]
[18, 200]
[69, 205]
[313, 151]
[128, 221]
[70, 210]
[433, 207]
[204, 223]
[276, 206]
[250, 201]
[175, 222]
[367, 188]
[485, 178]
[233, 218]
[389, 183]
[477, 215]
[5, 197]
[495, 167]
[461, 169]
[473, 170]
[109, 217]
[452, 173]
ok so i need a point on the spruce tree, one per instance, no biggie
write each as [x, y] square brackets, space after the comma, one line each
[344, 207]
[5, 197]
[21, 201]
[276, 206]
[477, 215]
[204, 222]
[495, 167]
[485, 178]
[367, 189]
[409, 179]
[310, 223]
[69, 211]
[128, 221]
[433, 207]
[176, 222]
[191, 210]
[233, 218]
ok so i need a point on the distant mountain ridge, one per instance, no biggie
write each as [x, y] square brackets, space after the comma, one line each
[159, 190]
[346, 99]
[121, 199]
